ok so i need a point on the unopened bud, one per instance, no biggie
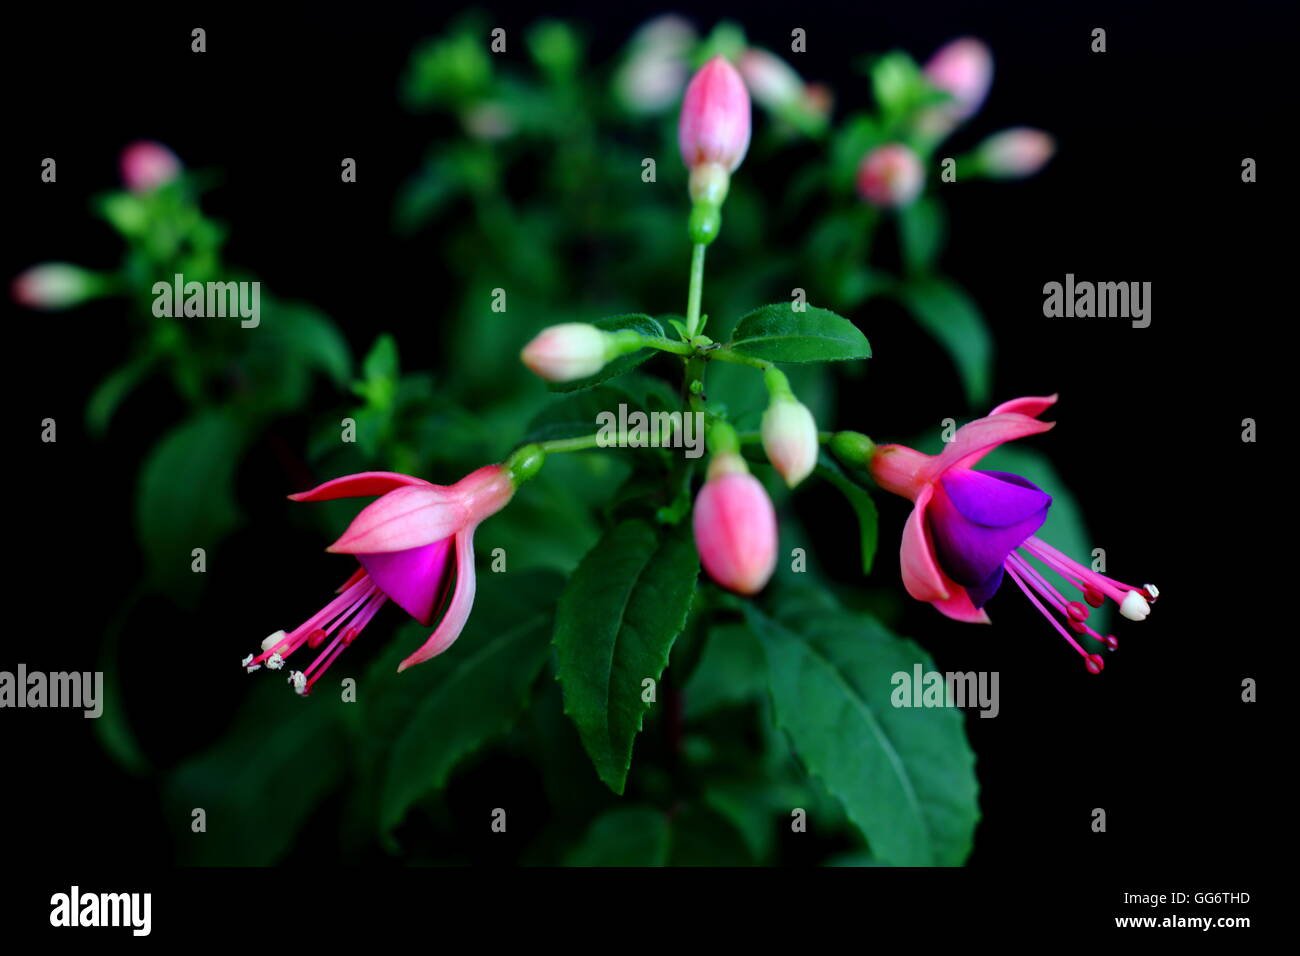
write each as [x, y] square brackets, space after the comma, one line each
[572, 350]
[790, 438]
[890, 176]
[714, 124]
[771, 80]
[1015, 153]
[735, 526]
[54, 285]
[964, 70]
[146, 165]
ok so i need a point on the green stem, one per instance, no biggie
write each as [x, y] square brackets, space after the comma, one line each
[696, 290]
[667, 345]
[724, 354]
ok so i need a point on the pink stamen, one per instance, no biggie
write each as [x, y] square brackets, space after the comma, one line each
[365, 609]
[1015, 576]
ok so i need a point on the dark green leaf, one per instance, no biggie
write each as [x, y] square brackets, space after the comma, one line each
[906, 776]
[624, 363]
[627, 836]
[258, 785]
[419, 724]
[952, 317]
[185, 498]
[778, 333]
[921, 227]
[863, 507]
[615, 624]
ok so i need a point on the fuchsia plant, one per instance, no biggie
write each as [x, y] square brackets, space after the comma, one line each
[968, 529]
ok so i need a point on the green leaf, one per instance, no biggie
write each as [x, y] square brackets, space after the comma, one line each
[950, 315]
[778, 333]
[906, 776]
[113, 390]
[863, 507]
[259, 784]
[731, 670]
[624, 363]
[186, 499]
[418, 725]
[921, 227]
[615, 624]
[627, 836]
[572, 416]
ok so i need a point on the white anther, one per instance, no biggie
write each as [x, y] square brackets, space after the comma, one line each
[273, 640]
[247, 661]
[275, 661]
[299, 681]
[1135, 607]
[1152, 590]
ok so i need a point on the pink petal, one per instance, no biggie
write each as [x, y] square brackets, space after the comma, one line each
[408, 517]
[921, 574]
[975, 440]
[1031, 406]
[358, 486]
[959, 607]
[462, 602]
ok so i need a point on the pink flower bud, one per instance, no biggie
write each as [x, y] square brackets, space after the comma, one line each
[1016, 153]
[52, 285]
[146, 165]
[714, 125]
[964, 69]
[735, 526]
[771, 80]
[567, 351]
[790, 439]
[890, 176]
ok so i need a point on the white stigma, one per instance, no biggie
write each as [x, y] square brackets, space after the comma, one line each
[273, 640]
[249, 661]
[299, 681]
[1135, 607]
[275, 661]
[1152, 590]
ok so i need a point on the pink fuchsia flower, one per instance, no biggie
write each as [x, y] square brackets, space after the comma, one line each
[890, 176]
[963, 69]
[714, 126]
[146, 165]
[415, 547]
[656, 69]
[54, 285]
[969, 528]
[735, 526]
[1015, 153]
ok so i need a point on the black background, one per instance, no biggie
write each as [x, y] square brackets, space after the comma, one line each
[1146, 187]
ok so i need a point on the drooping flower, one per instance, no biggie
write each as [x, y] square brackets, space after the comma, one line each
[890, 176]
[968, 529]
[415, 547]
[1015, 153]
[146, 165]
[735, 526]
